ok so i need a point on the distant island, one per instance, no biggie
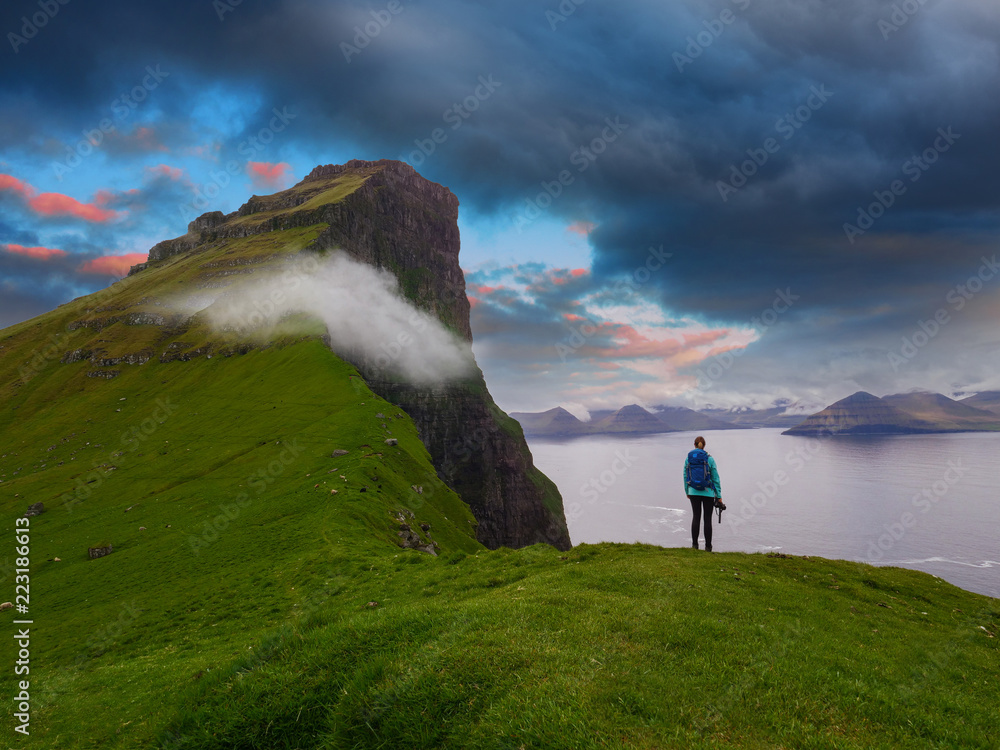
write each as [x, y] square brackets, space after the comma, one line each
[900, 414]
[859, 414]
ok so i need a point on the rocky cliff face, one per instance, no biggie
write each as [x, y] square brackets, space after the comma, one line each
[385, 214]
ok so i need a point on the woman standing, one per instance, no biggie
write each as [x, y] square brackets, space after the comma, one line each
[702, 486]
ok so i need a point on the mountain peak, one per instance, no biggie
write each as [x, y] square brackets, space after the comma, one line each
[378, 214]
[859, 397]
[631, 410]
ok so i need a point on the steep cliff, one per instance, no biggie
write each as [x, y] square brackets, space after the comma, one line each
[388, 216]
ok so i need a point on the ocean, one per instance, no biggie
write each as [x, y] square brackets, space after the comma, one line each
[927, 502]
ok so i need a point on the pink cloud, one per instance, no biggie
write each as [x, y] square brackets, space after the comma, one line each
[164, 170]
[705, 337]
[41, 253]
[555, 277]
[8, 182]
[473, 302]
[147, 138]
[142, 138]
[113, 265]
[58, 204]
[582, 228]
[483, 289]
[630, 344]
[269, 175]
[209, 151]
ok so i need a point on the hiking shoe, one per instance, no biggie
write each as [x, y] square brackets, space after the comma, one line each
[708, 547]
[694, 545]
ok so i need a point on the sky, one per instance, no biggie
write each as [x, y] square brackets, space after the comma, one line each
[722, 203]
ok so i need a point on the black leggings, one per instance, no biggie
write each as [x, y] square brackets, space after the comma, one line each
[698, 502]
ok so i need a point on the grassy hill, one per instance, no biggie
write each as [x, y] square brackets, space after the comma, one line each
[258, 596]
[291, 618]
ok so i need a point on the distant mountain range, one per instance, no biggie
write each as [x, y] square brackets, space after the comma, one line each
[776, 416]
[861, 413]
[899, 414]
[629, 420]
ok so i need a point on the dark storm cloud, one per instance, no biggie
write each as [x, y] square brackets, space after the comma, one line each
[32, 286]
[848, 92]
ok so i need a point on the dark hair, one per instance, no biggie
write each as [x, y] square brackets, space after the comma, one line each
[699, 439]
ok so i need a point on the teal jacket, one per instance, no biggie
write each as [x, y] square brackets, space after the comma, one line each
[707, 492]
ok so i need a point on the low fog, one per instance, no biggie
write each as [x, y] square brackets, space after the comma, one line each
[369, 322]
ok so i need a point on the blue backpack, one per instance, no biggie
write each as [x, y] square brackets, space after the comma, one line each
[699, 473]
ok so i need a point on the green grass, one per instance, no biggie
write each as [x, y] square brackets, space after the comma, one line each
[613, 646]
[319, 195]
[606, 646]
[212, 507]
[235, 609]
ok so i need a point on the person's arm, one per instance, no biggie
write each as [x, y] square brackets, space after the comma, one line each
[715, 477]
[685, 476]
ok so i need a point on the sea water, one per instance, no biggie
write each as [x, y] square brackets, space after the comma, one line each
[927, 502]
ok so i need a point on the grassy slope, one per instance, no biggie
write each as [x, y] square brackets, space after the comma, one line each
[612, 646]
[244, 623]
[171, 601]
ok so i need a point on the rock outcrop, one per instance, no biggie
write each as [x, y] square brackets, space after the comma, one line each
[386, 215]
